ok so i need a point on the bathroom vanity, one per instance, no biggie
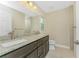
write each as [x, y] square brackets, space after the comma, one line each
[34, 49]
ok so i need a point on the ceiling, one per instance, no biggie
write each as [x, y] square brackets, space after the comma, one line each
[49, 6]
[45, 6]
[19, 6]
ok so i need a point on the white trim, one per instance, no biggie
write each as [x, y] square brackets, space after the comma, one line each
[63, 46]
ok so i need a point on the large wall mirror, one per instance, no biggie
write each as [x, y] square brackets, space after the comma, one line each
[42, 23]
[5, 20]
[16, 23]
[12, 22]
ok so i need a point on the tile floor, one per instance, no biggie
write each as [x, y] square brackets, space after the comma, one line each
[60, 53]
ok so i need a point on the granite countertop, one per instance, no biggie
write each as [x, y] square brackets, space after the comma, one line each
[4, 50]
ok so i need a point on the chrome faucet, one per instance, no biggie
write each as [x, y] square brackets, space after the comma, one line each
[11, 35]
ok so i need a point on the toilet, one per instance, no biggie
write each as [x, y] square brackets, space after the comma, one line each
[52, 44]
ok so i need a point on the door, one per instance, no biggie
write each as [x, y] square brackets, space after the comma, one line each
[76, 41]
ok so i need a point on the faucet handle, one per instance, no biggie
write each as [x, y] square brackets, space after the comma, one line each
[11, 34]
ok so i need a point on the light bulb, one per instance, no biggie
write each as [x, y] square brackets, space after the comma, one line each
[35, 7]
[31, 4]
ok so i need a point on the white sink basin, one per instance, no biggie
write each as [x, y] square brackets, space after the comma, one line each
[13, 42]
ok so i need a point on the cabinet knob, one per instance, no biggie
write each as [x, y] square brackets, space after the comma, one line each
[76, 42]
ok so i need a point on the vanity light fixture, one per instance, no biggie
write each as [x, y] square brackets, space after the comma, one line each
[31, 5]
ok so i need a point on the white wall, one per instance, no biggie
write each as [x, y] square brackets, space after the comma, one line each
[58, 25]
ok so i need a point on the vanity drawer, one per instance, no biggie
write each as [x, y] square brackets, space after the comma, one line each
[40, 51]
[40, 42]
[33, 45]
[45, 38]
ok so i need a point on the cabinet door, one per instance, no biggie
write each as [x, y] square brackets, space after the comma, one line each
[32, 55]
[40, 50]
[45, 38]
[33, 45]
[40, 42]
[43, 51]
[46, 47]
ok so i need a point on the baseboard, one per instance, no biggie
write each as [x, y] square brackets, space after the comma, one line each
[62, 46]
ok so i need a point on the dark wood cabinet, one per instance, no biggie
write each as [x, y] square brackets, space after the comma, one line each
[36, 49]
[43, 48]
[32, 55]
[40, 51]
[43, 51]
[46, 47]
[18, 53]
